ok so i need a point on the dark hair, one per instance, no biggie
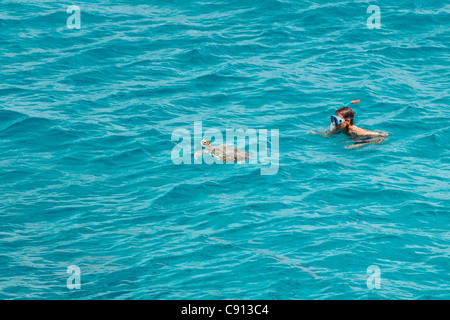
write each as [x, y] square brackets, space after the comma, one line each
[346, 113]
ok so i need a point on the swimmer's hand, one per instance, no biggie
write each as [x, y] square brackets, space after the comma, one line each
[322, 133]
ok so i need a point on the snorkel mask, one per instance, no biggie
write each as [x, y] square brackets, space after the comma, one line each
[337, 120]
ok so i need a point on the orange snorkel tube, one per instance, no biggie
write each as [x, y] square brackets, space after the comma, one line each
[353, 102]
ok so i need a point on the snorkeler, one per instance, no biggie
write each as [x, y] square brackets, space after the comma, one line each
[342, 122]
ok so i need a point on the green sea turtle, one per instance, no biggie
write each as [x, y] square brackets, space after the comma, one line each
[223, 152]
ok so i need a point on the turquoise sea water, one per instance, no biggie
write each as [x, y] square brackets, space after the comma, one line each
[87, 179]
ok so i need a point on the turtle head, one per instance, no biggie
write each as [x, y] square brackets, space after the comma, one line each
[205, 143]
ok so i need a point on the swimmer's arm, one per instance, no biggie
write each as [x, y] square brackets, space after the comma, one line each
[364, 132]
[199, 153]
[358, 145]
[323, 133]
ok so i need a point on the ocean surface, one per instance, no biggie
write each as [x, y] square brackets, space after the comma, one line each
[87, 178]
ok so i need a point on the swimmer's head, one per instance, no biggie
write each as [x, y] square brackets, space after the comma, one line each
[205, 142]
[343, 118]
